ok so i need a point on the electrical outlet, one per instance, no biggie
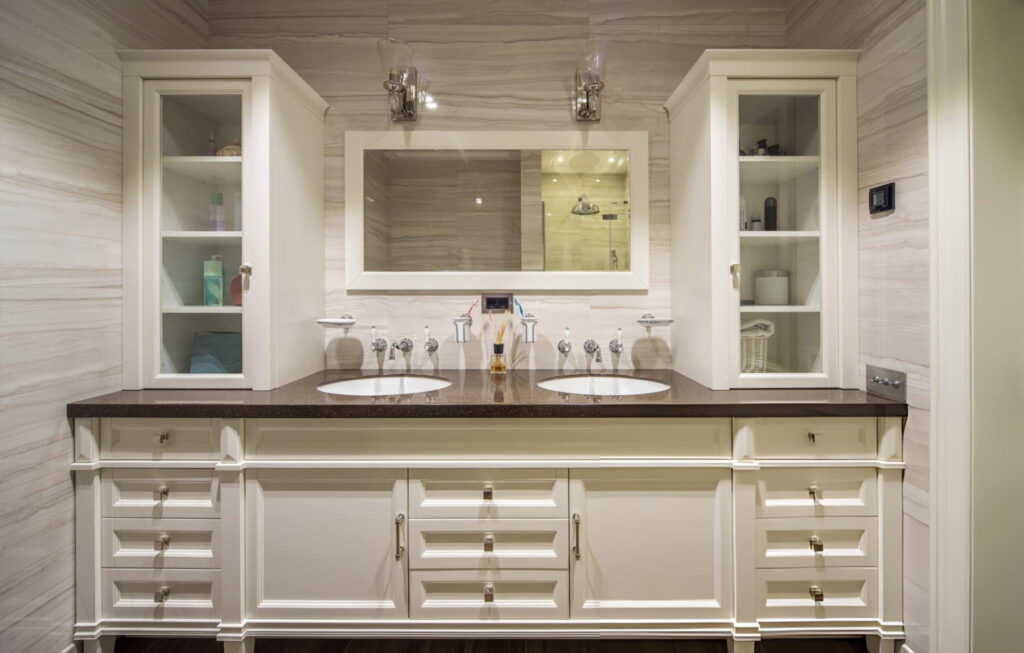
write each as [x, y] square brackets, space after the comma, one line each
[495, 302]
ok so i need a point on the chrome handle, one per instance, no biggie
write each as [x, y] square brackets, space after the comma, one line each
[163, 594]
[163, 437]
[734, 270]
[488, 593]
[399, 549]
[488, 493]
[164, 541]
[576, 527]
[245, 269]
[816, 593]
[489, 543]
[813, 437]
[815, 492]
[816, 543]
[163, 492]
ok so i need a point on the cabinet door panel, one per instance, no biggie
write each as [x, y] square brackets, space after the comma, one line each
[322, 544]
[653, 543]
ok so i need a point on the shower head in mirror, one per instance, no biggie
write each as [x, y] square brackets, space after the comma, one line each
[584, 207]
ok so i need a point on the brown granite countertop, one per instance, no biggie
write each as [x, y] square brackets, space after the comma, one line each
[473, 393]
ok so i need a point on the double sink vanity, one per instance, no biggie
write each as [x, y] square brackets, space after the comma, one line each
[489, 507]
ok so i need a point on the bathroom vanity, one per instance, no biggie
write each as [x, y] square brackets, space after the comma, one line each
[488, 509]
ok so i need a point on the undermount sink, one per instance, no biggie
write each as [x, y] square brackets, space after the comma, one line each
[379, 386]
[603, 385]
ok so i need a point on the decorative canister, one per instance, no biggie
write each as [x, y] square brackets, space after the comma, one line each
[771, 287]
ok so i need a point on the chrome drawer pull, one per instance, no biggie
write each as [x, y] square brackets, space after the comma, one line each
[489, 543]
[163, 492]
[488, 593]
[817, 594]
[813, 437]
[817, 545]
[576, 526]
[163, 594]
[164, 541]
[488, 493]
[399, 549]
[815, 492]
[163, 437]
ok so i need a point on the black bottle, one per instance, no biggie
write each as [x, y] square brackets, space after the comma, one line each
[771, 216]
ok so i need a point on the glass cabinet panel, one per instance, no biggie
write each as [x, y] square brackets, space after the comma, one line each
[200, 233]
[780, 219]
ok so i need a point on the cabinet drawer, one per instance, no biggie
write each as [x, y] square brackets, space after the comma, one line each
[161, 543]
[850, 438]
[161, 594]
[817, 492]
[160, 493]
[488, 493]
[489, 544]
[846, 593]
[817, 542]
[160, 439]
[515, 594]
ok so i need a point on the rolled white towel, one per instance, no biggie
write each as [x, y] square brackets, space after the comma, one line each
[759, 328]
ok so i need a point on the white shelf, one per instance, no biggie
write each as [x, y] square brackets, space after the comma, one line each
[776, 238]
[762, 170]
[206, 237]
[217, 170]
[767, 308]
[200, 310]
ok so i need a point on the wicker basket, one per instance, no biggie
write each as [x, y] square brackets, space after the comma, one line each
[754, 346]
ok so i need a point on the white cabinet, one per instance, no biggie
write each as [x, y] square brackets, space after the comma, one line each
[213, 242]
[764, 219]
[328, 544]
[636, 535]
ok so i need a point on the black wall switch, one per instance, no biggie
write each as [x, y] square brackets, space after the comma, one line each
[882, 198]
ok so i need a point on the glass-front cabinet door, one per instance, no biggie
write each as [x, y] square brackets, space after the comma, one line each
[194, 153]
[783, 206]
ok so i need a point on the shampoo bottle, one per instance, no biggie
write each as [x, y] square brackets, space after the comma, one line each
[213, 281]
[216, 211]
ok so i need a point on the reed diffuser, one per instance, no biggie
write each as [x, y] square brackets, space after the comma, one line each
[498, 357]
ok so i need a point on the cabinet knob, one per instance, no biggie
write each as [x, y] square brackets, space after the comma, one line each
[162, 492]
[245, 269]
[163, 437]
[817, 545]
[735, 270]
[489, 543]
[488, 593]
[488, 493]
[164, 541]
[813, 437]
[163, 594]
[817, 593]
[815, 492]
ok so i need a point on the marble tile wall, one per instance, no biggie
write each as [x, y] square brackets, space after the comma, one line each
[894, 267]
[497, 64]
[60, 273]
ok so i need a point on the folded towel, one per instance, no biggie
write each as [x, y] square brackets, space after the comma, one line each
[757, 329]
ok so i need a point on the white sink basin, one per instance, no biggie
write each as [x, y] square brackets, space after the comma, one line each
[603, 385]
[379, 386]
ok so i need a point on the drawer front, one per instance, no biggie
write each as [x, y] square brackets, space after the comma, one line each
[161, 594]
[513, 594]
[488, 493]
[817, 492]
[488, 544]
[159, 439]
[845, 593]
[161, 543]
[160, 493]
[817, 542]
[848, 438]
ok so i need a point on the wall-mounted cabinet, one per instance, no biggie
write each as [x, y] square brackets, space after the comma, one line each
[223, 220]
[764, 219]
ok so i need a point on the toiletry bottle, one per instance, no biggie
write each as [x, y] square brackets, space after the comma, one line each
[743, 213]
[771, 214]
[216, 211]
[498, 360]
[756, 224]
[213, 281]
[211, 147]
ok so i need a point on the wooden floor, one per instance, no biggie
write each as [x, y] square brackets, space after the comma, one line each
[141, 645]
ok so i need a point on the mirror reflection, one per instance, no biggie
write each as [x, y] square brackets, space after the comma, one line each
[496, 210]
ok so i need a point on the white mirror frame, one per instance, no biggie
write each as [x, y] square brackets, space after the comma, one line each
[357, 142]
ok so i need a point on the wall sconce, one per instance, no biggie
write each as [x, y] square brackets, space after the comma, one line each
[589, 71]
[400, 78]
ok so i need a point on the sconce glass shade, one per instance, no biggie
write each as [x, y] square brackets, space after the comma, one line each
[400, 78]
[395, 57]
[591, 57]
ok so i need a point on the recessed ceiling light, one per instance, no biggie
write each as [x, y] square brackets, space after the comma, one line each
[598, 180]
[561, 158]
[479, 200]
[611, 159]
[555, 180]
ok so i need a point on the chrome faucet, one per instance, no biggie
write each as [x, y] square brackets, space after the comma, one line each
[615, 346]
[564, 345]
[404, 345]
[377, 344]
[591, 347]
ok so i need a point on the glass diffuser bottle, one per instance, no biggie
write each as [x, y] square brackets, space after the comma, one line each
[498, 359]
[498, 366]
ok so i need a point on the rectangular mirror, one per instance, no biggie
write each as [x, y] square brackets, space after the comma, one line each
[496, 210]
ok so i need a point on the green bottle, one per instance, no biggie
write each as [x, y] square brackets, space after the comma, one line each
[213, 281]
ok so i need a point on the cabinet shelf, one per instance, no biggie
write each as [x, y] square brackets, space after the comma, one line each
[761, 170]
[768, 308]
[218, 170]
[205, 237]
[776, 238]
[201, 310]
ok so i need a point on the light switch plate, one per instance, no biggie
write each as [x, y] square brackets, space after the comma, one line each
[890, 384]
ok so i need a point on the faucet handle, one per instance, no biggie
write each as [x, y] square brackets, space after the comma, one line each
[429, 344]
[615, 346]
[377, 344]
[564, 345]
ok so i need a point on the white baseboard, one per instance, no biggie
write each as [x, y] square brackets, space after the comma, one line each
[71, 648]
[906, 649]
